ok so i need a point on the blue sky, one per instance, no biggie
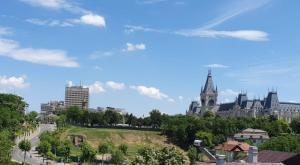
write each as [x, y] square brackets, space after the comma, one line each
[145, 54]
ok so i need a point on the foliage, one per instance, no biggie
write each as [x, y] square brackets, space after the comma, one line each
[206, 138]
[285, 143]
[165, 156]
[123, 148]
[12, 118]
[117, 157]
[156, 119]
[44, 148]
[87, 152]
[295, 125]
[192, 154]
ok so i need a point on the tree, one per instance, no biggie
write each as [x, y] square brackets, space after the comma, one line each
[295, 125]
[164, 156]
[192, 154]
[284, 143]
[112, 117]
[5, 147]
[156, 118]
[64, 150]
[44, 148]
[25, 146]
[103, 149]
[87, 152]
[117, 157]
[123, 148]
[206, 137]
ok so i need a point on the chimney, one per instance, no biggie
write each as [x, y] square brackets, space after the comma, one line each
[252, 156]
[220, 159]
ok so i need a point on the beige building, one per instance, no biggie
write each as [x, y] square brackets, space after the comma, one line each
[50, 110]
[77, 96]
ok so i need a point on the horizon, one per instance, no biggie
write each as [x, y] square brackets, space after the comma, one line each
[148, 54]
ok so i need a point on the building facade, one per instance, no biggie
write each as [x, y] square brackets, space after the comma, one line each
[242, 106]
[77, 96]
[50, 109]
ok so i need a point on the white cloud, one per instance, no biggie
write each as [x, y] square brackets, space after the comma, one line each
[151, 92]
[216, 66]
[133, 28]
[5, 31]
[93, 19]
[180, 98]
[171, 100]
[134, 47]
[148, 2]
[87, 17]
[51, 57]
[51, 4]
[96, 87]
[13, 82]
[51, 23]
[250, 35]
[98, 54]
[69, 83]
[115, 85]
[57, 5]
[228, 95]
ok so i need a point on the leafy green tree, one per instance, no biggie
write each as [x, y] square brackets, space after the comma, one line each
[156, 118]
[285, 143]
[87, 152]
[295, 125]
[123, 148]
[103, 149]
[206, 137]
[192, 154]
[43, 148]
[64, 150]
[25, 146]
[165, 156]
[112, 117]
[117, 157]
[5, 147]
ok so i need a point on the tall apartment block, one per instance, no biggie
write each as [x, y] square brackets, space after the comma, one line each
[77, 96]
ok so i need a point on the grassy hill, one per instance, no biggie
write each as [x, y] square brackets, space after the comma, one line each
[135, 139]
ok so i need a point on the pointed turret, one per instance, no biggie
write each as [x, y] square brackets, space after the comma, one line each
[210, 93]
[209, 85]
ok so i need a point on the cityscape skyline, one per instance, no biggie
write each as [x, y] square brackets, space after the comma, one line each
[130, 59]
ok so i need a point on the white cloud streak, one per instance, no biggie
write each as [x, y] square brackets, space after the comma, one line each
[134, 47]
[96, 88]
[115, 85]
[228, 95]
[51, 57]
[216, 66]
[206, 31]
[87, 17]
[151, 92]
[13, 82]
[250, 35]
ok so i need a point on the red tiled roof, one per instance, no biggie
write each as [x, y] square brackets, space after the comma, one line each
[233, 146]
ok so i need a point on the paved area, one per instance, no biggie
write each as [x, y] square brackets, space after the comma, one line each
[32, 157]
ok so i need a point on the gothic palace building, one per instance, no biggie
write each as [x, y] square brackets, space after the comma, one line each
[242, 106]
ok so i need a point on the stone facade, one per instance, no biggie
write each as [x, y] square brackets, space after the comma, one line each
[242, 106]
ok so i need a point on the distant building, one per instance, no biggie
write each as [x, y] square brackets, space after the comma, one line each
[242, 106]
[256, 136]
[77, 96]
[118, 110]
[231, 149]
[287, 158]
[50, 109]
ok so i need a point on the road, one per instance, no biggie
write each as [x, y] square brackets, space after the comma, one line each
[32, 157]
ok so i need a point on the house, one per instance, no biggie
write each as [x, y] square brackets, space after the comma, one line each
[232, 149]
[287, 158]
[256, 136]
